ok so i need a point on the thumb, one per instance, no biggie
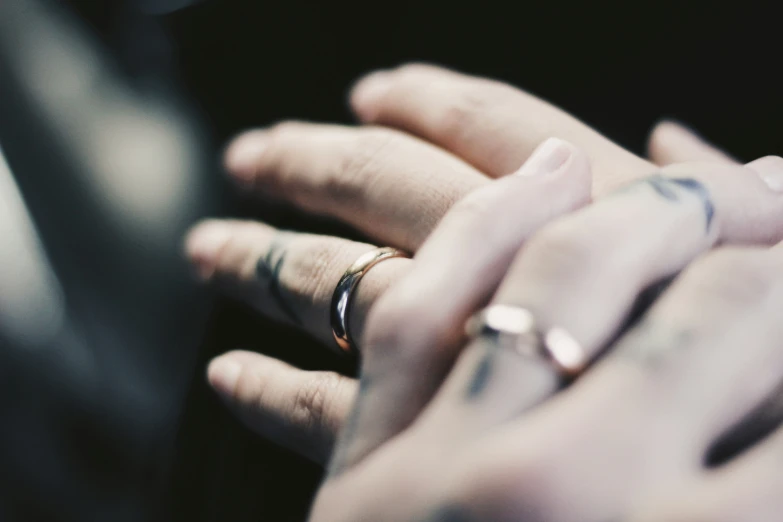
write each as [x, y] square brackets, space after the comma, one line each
[300, 410]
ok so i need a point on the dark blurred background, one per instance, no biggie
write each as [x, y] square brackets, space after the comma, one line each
[128, 430]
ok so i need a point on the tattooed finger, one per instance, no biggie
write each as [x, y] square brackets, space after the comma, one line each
[287, 276]
[584, 273]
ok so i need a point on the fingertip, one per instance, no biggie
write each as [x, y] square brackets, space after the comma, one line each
[222, 374]
[547, 158]
[668, 125]
[367, 93]
[662, 134]
[203, 244]
[243, 155]
[674, 142]
[556, 156]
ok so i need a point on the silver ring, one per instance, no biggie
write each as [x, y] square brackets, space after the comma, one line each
[517, 327]
[343, 294]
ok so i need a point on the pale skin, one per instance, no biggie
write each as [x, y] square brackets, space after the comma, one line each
[304, 410]
[627, 441]
[377, 422]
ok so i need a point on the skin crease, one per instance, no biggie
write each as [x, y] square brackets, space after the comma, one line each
[344, 389]
[668, 143]
[268, 269]
[350, 477]
[517, 470]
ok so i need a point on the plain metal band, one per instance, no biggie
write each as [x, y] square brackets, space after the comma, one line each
[343, 294]
[518, 325]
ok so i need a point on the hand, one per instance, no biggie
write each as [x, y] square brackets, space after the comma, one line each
[388, 184]
[638, 425]
[745, 490]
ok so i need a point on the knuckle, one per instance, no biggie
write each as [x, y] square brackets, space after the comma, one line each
[561, 248]
[469, 110]
[360, 165]
[737, 276]
[311, 401]
[315, 272]
[399, 326]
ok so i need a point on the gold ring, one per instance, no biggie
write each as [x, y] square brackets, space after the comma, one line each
[343, 293]
[518, 326]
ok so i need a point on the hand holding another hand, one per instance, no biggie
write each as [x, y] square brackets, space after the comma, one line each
[627, 441]
[395, 188]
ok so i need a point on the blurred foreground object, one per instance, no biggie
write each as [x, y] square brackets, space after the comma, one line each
[97, 336]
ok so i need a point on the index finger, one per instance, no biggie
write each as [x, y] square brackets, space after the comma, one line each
[491, 125]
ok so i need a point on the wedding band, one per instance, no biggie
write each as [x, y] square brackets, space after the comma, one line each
[517, 327]
[343, 294]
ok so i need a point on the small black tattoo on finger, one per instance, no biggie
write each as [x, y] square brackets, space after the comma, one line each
[484, 369]
[667, 188]
[268, 269]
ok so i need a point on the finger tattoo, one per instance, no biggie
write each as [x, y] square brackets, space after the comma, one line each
[484, 369]
[268, 269]
[668, 188]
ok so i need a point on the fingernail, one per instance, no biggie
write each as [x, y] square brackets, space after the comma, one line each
[222, 375]
[547, 158]
[203, 243]
[368, 92]
[244, 155]
[770, 170]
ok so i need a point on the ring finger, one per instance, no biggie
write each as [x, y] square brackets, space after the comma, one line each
[580, 276]
[287, 276]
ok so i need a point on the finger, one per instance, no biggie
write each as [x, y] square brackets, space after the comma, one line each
[746, 490]
[770, 169]
[417, 325]
[705, 353]
[671, 142]
[580, 277]
[300, 410]
[763, 421]
[390, 186]
[287, 276]
[724, 317]
[490, 124]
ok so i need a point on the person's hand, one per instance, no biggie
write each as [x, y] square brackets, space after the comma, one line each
[639, 425]
[384, 182]
[745, 490]
[389, 185]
